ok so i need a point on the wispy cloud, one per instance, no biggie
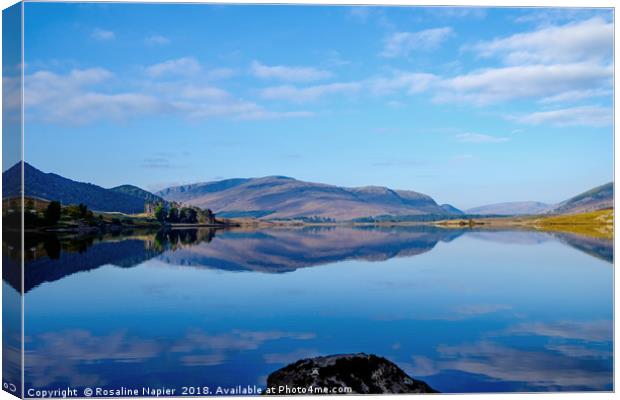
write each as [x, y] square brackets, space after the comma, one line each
[584, 116]
[156, 40]
[589, 40]
[67, 98]
[310, 93]
[179, 66]
[576, 95]
[518, 82]
[288, 73]
[469, 137]
[410, 82]
[102, 34]
[401, 44]
[79, 98]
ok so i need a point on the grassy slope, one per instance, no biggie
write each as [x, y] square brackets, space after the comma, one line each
[598, 224]
[595, 224]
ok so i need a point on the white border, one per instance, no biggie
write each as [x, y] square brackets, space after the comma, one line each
[482, 3]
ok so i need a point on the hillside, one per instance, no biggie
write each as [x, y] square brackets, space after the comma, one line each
[450, 209]
[599, 198]
[135, 191]
[55, 187]
[511, 208]
[598, 223]
[280, 197]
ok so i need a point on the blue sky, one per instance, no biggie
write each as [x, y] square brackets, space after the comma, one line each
[469, 105]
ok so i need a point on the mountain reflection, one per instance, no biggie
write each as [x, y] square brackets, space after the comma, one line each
[51, 257]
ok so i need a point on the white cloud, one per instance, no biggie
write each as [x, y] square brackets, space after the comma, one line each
[403, 43]
[584, 116]
[551, 16]
[589, 40]
[576, 95]
[90, 106]
[236, 109]
[469, 137]
[44, 86]
[79, 97]
[70, 99]
[180, 66]
[556, 64]
[265, 114]
[529, 81]
[204, 92]
[103, 35]
[310, 93]
[411, 82]
[288, 73]
[156, 40]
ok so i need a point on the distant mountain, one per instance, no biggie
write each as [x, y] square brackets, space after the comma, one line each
[599, 198]
[276, 197]
[55, 187]
[137, 192]
[450, 209]
[511, 208]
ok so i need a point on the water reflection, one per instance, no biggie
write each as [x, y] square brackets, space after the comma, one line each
[50, 257]
[463, 310]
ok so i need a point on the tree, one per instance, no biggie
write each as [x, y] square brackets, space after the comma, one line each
[208, 216]
[192, 215]
[183, 215]
[82, 209]
[52, 212]
[160, 213]
[173, 215]
[79, 211]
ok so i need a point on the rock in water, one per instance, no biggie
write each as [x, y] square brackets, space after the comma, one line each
[363, 373]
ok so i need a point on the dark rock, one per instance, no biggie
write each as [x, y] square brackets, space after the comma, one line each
[362, 373]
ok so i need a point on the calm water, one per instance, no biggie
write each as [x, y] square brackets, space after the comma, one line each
[463, 311]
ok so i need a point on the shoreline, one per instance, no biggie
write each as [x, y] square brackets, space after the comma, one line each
[597, 224]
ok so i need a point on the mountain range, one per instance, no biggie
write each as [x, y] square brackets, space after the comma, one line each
[126, 199]
[280, 197]
[598, 198]
[511, 208]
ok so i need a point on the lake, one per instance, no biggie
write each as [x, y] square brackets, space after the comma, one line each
[463, 310]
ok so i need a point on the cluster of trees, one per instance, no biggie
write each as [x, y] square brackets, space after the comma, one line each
[52, 213]
[183, 215]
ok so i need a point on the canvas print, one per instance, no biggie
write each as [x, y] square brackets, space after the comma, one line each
[210, 199]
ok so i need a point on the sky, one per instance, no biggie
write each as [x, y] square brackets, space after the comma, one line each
[469, 105]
